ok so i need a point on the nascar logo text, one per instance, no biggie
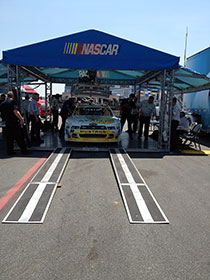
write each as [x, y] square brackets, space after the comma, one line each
[91, 49]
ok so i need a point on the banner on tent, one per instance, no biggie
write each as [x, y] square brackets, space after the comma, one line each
[91, 49]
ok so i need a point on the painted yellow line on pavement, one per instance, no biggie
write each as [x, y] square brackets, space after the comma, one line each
[194, 152]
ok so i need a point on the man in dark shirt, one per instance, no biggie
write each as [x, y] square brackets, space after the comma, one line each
[2, 99]
[14, 122]
[125, 112]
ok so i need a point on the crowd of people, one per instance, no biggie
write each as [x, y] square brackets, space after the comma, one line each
[139, 114]
[14, 124]
[25, 126]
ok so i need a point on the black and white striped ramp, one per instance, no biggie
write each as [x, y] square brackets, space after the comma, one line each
[140, 204]
[33, 203]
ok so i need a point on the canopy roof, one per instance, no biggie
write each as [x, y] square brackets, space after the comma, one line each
[185, 80]
[116, 61]
[91, 49]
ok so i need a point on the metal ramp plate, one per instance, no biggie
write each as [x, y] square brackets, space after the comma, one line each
[33, 203]
[140, 204]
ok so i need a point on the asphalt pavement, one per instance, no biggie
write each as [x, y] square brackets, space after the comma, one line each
[86, 233]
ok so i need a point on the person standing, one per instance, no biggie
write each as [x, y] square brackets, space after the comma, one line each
[174, 124]
[66, 110]
[147, 110]
[55, 108]
[25, 110]
[34, 112]
[14, 123]
[184, 124]
[134, 115]
[125, 112]
[2, 99]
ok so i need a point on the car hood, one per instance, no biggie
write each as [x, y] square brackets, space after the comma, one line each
[85, 120]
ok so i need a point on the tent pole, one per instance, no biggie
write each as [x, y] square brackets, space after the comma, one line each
[18, 87]
[170, 97]
[167, 80]
[45, 98]
[162, 110]
[48, 98]
[139, 95]
[135, 89]
[50, 101]
[10, 74]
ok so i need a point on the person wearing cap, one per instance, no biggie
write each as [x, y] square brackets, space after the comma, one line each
[147, 110]
[36, 123]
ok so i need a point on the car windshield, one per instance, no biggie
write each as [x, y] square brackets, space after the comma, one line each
[93, 111]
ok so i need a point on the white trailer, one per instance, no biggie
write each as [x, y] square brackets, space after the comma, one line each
[198, 103]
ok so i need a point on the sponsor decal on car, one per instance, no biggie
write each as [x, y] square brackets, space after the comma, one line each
[95, 121]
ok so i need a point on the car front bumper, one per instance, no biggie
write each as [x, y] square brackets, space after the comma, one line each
[80, 135]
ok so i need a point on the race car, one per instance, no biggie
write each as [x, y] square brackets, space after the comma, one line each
[92, 123]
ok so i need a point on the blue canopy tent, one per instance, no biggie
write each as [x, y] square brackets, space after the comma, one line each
[116, 61]
[91, 49]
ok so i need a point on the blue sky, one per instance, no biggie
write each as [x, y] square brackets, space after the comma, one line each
[157, 24]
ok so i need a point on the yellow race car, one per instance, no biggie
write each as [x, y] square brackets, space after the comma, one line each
[92, 123]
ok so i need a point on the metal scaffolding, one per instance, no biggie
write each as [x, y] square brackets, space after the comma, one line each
[14, 83]
[16, 74]
[48, 98]
[167, 79]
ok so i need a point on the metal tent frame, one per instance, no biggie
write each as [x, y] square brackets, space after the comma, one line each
[16, 75]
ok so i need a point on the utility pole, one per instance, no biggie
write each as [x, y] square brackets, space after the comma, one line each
[185, 49]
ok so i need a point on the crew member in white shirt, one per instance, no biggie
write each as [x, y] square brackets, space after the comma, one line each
[147, 110]
[34, 112]
[183, 126]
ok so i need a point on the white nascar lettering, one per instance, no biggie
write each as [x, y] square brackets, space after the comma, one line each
[91, 49]
[85, 49]
[115, 49]
[103, 51]
[109, 50]
[97, 49]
